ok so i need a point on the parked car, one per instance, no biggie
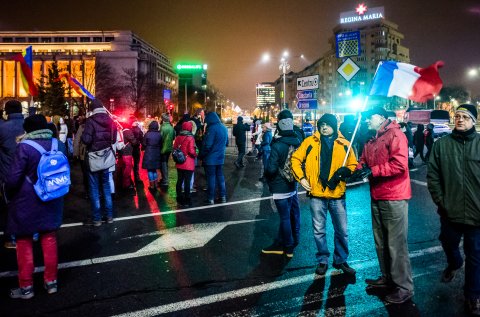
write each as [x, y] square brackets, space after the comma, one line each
[439, 130]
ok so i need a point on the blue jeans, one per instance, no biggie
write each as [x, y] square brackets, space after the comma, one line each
[99, 181]
[265, 156]
[289, 230]
[450, 236]
[215, 178]
[338, 212]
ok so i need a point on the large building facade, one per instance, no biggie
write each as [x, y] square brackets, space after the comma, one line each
[380, 40]
[80, 53]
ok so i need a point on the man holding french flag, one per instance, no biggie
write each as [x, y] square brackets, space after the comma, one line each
[384, 161]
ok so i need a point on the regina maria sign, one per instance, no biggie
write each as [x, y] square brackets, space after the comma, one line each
[362, 13]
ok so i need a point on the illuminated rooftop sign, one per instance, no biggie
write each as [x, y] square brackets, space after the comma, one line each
[192, 67]
[362, 13]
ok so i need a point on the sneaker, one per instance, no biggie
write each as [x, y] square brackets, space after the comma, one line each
[379, 282]
[109, 219]
[345, 268]
[223, 200]
[97, 223]
[22, 292]
[289, 252]
[209, 201]
[51, 287]
[473, 306]
[193, 190]
[321, 269]
[448, 274]
[10, 245]
[399, 296]
[273, 249]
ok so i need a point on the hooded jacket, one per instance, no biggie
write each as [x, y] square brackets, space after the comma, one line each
[452, 177]
[152, 143]
[186, 142]
[278, 155]
[308, 154]
[215, 141]
[9, 131]
[100, 131]
[168, 135]
[387, 156]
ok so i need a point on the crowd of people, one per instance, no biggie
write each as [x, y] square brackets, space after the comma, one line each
[321, 161]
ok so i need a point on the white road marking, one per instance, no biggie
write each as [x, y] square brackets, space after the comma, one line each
[210, 299]
[175, 239]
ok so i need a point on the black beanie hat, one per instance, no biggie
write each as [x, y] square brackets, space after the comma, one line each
[471, 110]
[377, 110]
[330, 120]
[13, 106]
[284, 114]
[95, 104]
[34, 123]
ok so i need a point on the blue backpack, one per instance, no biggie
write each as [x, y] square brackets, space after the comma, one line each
[53, 172]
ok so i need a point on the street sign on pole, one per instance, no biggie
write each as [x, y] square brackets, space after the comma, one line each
[309, 82]
[308, 104]
[307, 94]
[348, 69]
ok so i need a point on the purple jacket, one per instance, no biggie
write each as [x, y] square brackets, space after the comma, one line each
[100, 132]
[27, 214]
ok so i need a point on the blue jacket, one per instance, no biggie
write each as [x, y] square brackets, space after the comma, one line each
[214, 142]
[266, 140]
[27, 214]
[9, 131]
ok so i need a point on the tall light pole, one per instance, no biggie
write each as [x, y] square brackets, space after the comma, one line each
[284, 66]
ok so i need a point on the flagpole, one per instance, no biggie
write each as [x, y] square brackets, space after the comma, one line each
[355, 131]
[359, 118]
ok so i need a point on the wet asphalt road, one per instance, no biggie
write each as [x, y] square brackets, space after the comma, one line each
[158, 258]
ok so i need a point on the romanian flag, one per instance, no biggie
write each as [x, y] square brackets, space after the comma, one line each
[76, 85]
[26, 62]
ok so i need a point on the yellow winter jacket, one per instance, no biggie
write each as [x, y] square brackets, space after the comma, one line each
[311, 161]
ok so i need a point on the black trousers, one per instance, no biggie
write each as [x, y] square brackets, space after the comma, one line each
[184, 177]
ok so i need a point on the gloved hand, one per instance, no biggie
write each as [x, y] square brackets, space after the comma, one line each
[333, 182]
[343, 173]
[363, 173]
[305, 184]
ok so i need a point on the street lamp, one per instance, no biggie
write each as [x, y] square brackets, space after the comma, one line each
[284, 66]
[434, 99]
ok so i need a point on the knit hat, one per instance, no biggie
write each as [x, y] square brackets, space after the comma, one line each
[377, 110]
[165, 117]
[330, 120]
[468, 109]
[285, 124]
[239, 119]
[95, 104]
[13, 106]
[34, 123]
[284, 114]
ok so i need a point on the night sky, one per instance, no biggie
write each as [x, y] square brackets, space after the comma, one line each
[231, 36]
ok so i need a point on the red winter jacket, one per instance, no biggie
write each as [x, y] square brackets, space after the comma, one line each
[186, 142]
[387, 156]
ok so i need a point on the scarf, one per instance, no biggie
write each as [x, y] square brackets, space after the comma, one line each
[326, 153]
[37, 134]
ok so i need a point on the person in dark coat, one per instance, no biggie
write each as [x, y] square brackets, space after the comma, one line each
[152, 143]
[27, 214]
[408, 133]
[186, 142]
[419, 141]
[429, 140]
[9, 131]
[239, 132]
[138, 134]
[178, 126]
[212, 154]
[100, 133]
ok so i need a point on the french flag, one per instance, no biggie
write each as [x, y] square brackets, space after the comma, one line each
[407, 81]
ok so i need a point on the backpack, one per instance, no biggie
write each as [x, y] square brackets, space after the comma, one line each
[53, 172]
[286, 170]
[177, 154]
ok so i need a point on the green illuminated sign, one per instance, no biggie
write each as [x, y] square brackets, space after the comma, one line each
[191, 67]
